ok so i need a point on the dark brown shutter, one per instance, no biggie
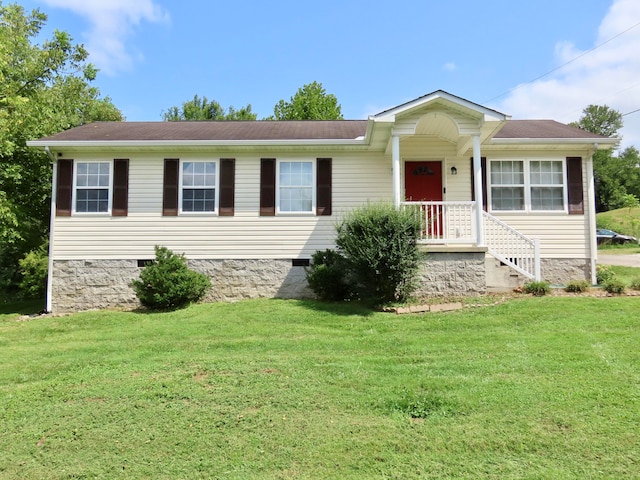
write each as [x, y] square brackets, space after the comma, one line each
[170, 187]
[323, 186]
[227, 186]
[574, 186]
[64, 188]
[483, 166]
[268, 186]
[119, 206]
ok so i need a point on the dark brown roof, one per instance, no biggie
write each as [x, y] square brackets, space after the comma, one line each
[521, 129]
[281, 130]
[215, 130]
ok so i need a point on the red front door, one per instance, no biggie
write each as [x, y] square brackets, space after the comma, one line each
[423, 183]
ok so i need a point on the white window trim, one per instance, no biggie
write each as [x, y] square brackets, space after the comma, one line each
[527, 186]
[74, 195]
[313, 186]
[215, 161]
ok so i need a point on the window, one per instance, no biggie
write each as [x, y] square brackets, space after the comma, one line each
[507, 185]
[547, 185]
[527, 185]
[198, 181]
[295, 187]
[92, 185]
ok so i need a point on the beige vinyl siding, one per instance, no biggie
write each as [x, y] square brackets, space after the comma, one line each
[356, 180]
[561, 235]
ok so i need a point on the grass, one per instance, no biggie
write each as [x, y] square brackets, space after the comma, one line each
[625, 249]
[622, 220]
[625, 274]
[274, 389]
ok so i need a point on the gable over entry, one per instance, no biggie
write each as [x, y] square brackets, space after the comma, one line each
[444, 117]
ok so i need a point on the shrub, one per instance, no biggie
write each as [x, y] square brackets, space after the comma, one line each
[167, 283]
[614, 286]
[33, 268]
[577, 286]
[539, 289]
[635, 284]
[379, 243]
[604, 273]
[327, 276]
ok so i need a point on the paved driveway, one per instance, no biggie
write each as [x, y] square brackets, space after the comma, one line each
[632, 260]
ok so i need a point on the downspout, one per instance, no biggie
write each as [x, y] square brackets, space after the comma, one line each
[54, 182]
[591, 199]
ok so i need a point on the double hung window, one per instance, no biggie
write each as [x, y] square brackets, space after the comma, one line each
[547, 185]
[295, 187]
[507, 185]
[198, 186]
[92, 187]
[528, 185]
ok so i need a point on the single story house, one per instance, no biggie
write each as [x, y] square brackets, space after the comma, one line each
[248, 203]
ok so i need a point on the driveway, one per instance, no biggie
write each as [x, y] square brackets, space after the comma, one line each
[632, 260]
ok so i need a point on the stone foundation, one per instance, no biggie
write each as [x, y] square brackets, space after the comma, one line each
[93, 284]
[563, 270]
[444, 274]
[90, 284]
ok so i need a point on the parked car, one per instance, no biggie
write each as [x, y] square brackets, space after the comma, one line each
[604, 235]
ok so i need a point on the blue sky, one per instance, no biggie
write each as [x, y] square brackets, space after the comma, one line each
[372, 55]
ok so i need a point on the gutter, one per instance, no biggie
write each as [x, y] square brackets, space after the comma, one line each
[54, 181]
[555, 141]
[198, 143]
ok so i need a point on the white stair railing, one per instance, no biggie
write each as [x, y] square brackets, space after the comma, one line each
[511, 247]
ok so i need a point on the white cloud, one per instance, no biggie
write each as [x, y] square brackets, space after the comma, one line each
[112, 21]
[607, 75]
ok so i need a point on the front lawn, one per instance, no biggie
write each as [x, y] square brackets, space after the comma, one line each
[273, 389]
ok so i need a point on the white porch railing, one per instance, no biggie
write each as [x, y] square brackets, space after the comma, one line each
[444, 222]
[455, 222]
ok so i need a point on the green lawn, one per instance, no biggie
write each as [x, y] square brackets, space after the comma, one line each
[623, 220]
[540, 388]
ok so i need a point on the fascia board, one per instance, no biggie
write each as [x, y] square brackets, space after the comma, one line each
[418, 102]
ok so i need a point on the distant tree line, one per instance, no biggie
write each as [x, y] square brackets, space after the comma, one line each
[310, 102]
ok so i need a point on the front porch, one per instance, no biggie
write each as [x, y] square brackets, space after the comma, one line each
[454, 224]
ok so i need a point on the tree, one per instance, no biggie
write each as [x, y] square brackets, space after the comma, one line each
[616, 176]
[44, 89]
[600, 119]
[311, 102]
[205, 109]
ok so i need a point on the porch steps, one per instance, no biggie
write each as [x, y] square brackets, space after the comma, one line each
[501, 277]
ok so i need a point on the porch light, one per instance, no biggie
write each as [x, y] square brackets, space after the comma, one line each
[454, 171]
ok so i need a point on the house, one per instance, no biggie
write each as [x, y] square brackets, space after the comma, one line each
[248, 203]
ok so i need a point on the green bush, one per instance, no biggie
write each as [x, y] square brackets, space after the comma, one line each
[168, 284]
[614, 286]
[577, 286]
[539, 289]
[33, 269]
[604, 274]
[328, 276]
[635, 284]
[379, 243]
